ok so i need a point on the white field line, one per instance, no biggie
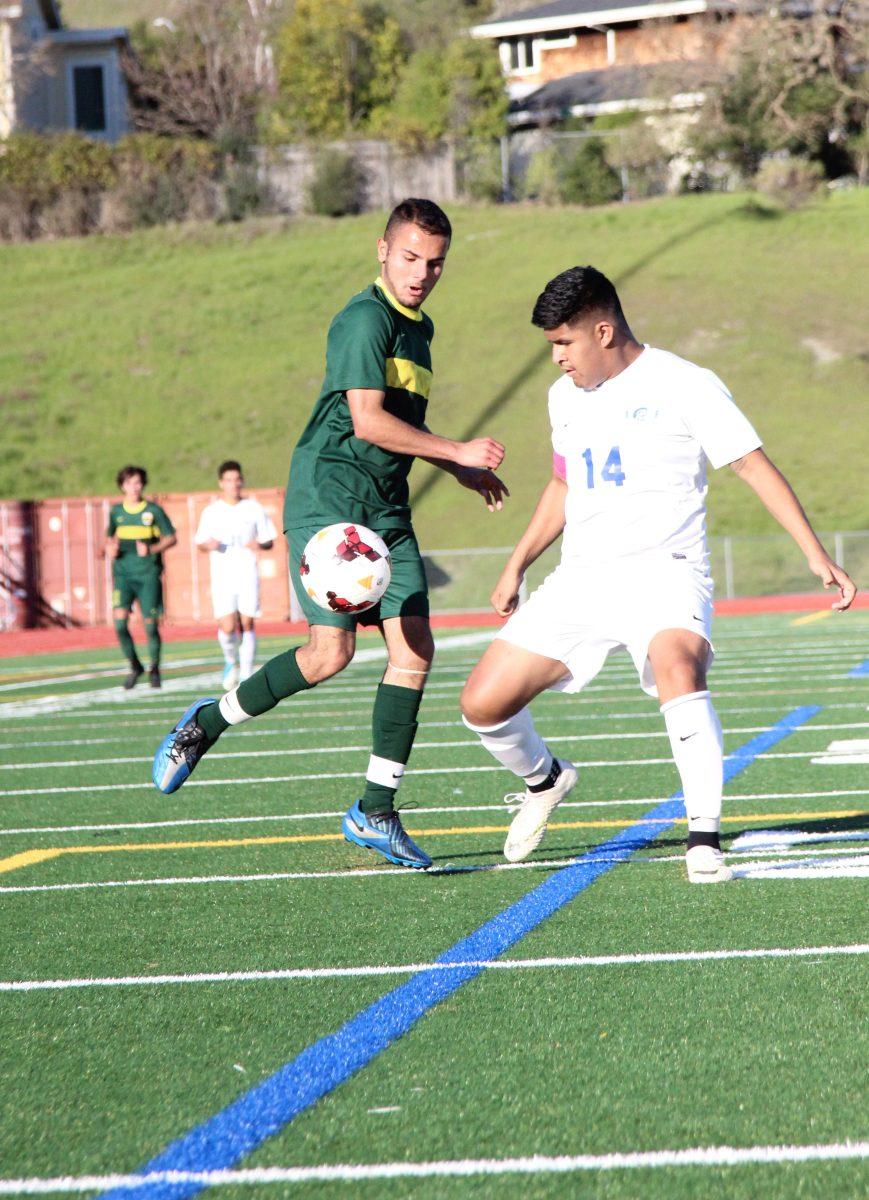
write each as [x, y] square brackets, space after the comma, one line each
[452, 770]
[810, 868]
[290, 731]
[195, 684]
[336, 751]
[539, 1164]
[500, 964]
[494, 807]
[395, 872]
[780, 839]
[96, 673]
[594, 694]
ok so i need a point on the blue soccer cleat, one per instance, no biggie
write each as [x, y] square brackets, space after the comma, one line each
[180, 750]
[384, 833]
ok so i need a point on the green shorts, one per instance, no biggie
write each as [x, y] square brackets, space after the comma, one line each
[406, 596]
[147, 589]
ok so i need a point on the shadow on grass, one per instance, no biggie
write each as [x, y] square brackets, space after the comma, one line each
[477, 426]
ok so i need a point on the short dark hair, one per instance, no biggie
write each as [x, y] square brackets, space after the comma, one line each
[229, 465]
[574, 294]
[424, 213]
[128, 472]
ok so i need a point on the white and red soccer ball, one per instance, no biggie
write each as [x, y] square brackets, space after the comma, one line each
[345, 568]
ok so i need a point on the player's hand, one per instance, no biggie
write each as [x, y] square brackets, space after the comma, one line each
[832, 575]
[113, 547]
[211, 544]
[485, 453]
[490, 487]
[505, 597]
[143, 549]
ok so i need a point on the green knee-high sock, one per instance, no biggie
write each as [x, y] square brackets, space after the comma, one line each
[278, 679]
[152, 632]
[393, 727]
[128, 646]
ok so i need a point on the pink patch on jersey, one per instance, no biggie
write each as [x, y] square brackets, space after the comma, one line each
[559, 465]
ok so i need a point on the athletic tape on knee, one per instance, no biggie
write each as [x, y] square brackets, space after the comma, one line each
[384, 771]
[231, 710]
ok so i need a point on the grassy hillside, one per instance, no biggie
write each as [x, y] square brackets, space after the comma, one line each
[90, 14]
[178, 347]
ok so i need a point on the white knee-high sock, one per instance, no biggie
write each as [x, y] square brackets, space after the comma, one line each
[247, 653]
[517, 745]
[229, 646]
[698, 750]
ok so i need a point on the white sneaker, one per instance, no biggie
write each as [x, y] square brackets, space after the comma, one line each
[529, 825]
[230, 676]
[705, 864]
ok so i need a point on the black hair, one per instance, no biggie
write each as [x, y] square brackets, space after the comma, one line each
[575, 294]
[229, 465]
[128, 472]
[424, 213]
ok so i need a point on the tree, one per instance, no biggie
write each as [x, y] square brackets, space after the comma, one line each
[787, 78]
[454, 92]
[335, 63]
[204, 75]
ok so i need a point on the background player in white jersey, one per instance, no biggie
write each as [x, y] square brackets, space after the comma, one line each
[231, 531]
[632, 431]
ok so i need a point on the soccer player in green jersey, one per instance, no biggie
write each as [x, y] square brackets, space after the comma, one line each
[351, 464]
[137, 535]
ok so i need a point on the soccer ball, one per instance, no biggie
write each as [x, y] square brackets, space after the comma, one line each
[346, 568]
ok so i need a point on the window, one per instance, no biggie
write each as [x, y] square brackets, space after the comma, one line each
[520, 54]
[89, 98]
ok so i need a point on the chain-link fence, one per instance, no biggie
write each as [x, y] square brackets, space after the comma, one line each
[766, 565]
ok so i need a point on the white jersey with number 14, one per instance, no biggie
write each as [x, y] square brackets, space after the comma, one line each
[634, 451]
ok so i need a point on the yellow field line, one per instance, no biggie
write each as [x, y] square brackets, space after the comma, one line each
[810, 618]
[27, 858]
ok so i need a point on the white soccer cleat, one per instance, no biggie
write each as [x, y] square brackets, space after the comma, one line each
[529, 825]
[705, 864]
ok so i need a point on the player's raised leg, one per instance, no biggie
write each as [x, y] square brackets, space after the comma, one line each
[494, 704]
[372, 821]
[327, 652]
[679, 659]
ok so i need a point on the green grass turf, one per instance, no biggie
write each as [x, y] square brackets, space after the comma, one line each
[90, 14]
[714, 1053]
[204, 316]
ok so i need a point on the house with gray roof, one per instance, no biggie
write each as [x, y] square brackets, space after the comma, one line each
[588, 57]
[54, 78]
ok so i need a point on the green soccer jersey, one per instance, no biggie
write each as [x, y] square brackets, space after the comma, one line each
[375, 343]
[143, 522]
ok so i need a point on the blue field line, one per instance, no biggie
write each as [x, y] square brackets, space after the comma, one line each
[236, 1131]
[860, 670]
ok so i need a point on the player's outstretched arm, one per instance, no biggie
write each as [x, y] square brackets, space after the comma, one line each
[372, 423]
[544, 527]
[764, 477]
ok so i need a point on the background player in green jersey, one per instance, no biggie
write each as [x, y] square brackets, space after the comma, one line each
[351, 464]
[138, 532]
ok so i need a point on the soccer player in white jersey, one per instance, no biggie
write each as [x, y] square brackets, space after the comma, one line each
[632, 431]
[231, 531]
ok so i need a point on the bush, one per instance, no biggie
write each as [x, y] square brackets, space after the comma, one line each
[480, 172]
[586, 177]
[572, 175]
[541, 180]
[336, 189]
[790, 180]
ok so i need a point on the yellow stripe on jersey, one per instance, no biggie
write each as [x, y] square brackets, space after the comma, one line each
[129, 533]
[402, 373]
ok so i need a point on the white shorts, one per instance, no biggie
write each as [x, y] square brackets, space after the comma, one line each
[237, 593]
[579, 616]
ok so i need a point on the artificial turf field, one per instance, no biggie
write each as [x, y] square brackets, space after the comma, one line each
[164, 957]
